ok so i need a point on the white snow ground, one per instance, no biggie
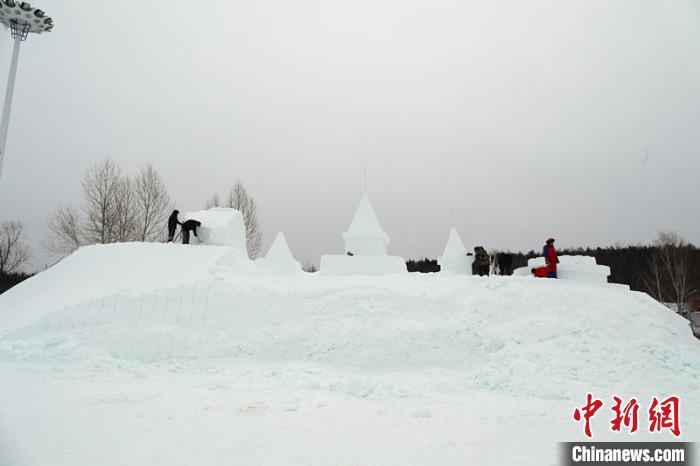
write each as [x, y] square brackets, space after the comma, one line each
[155, 354]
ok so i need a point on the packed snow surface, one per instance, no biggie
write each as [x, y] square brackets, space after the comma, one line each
[220, 361]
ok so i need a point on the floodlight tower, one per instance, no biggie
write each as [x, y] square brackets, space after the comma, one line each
[22, 19]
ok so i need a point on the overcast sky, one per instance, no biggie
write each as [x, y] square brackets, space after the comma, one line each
[576, 119]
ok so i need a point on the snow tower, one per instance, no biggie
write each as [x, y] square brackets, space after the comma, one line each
[365, 247]
[454, 259]
[365, 236]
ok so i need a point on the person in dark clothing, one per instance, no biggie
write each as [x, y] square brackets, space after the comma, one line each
[173, 222]
[482, 260]
[550, 258]
[505, 264]
[187, 226]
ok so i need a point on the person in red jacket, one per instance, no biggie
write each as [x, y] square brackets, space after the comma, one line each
[550, 258]
[540, 272]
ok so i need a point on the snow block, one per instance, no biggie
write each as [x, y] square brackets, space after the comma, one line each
[582, 269]
[220, 227]
[361, 265]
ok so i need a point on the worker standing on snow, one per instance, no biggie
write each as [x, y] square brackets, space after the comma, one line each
[550, 258]
[187, 226]
[483, 261]
[173, 222]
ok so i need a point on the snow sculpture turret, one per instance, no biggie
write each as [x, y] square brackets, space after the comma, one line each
[280, 258]
[365, 247]
[365, 236]
[454, 259]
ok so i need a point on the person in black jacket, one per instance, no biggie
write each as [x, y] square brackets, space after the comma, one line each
[482, 260]
[173, 222]
[187, 226]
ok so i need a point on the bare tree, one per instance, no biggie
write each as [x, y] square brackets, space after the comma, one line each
[100, 186]
[125, 212]
[653, 279]
[64, 225]
[13, 251]
[239, 199]
[668, 279]
[115, 208]
[153, 204]
[309, 267]
[673, 255]
[213, 201]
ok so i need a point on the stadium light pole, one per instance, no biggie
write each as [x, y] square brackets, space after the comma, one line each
[22, 19]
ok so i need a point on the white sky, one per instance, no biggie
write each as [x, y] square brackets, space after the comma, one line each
[528, 119]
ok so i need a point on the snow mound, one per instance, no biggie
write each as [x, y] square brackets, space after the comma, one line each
[220, 227]
[93, 272]
[335, 264]
[279, 257]
[129, 343]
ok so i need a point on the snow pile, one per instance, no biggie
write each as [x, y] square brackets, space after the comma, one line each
[94, 272]
[279, 258]
[361, 265]
[583, 269]
[194, 355]
[454, 259]
[220, 227]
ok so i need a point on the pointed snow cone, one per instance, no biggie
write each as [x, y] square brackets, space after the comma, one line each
[454, 259]
[365, 248]
[365, 236]
[280, 258]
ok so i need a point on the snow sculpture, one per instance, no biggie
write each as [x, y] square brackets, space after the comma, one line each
[365, 247]
[279, 258]
[454, 259]
[582, 269]
[220, 227]
[365, 236]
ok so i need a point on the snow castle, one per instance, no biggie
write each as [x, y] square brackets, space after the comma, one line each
[365, 247]
[454, 259]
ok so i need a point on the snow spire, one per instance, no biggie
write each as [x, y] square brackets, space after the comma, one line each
[365, 236]
[279, 254]
[455, 245]
[279, 249]
[365, 222]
